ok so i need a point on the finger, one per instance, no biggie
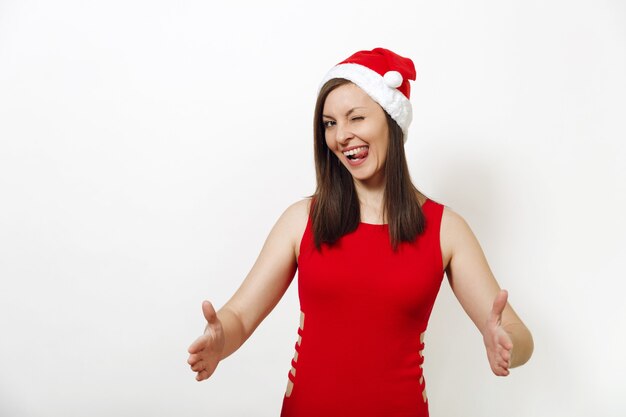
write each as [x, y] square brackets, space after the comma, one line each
[506, 343]
[209, 312]
[198, 344]
[505, 369]
[500, 370]
[198, 366]
[505, 357]
[499, 365]
[498, 306]
[193, 359]
[202, 375]
[504, 340]
[496, 369]
[504, 364]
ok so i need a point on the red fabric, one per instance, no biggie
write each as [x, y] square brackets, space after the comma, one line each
[364, 310]
[382, 60]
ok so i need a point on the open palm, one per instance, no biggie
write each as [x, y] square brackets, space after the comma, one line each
[205, 352]
[497, 341]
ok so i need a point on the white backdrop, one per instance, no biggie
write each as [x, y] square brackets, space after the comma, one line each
[147, 147]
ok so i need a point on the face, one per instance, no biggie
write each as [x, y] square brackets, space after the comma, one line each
[356, 132]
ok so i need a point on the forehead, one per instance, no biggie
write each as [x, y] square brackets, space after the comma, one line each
[346, 97]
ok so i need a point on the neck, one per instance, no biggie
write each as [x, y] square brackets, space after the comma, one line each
[372, 201]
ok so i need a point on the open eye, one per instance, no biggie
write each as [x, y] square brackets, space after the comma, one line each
[329, 123]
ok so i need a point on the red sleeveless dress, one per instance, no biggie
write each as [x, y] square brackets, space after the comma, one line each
[365, 309]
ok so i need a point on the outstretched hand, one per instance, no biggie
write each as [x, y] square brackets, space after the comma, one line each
[205, 352]
[497, 341]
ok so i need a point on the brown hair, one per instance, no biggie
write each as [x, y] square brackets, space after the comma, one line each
[336, 210]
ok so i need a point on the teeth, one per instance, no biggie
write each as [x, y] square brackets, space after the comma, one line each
[355, 151]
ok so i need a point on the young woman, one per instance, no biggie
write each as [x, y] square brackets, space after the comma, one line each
[370, 251]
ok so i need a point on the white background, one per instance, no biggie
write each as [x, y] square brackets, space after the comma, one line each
[147, 147]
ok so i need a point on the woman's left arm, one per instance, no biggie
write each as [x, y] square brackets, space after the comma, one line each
[507, 340]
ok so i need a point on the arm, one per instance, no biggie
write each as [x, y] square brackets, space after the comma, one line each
[507, 340]
[257, 296]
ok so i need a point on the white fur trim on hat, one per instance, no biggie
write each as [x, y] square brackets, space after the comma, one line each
[393, 101]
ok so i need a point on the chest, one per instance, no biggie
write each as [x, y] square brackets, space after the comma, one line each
[362, 270]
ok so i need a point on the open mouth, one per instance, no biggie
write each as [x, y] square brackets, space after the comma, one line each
[357, 154]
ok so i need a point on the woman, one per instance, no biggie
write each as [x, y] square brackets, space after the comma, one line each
[371, 251]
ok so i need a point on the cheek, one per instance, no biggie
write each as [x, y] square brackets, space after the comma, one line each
[382, 141]
[329, 141]
[380, 133]
[384, 149]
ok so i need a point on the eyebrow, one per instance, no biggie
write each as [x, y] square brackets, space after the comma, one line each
[348, 113]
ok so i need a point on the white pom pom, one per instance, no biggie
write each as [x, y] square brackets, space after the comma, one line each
[393, 79]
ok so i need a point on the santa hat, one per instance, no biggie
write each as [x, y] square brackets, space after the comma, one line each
[384, 76]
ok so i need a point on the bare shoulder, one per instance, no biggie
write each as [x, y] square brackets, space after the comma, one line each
[292, 223]
[452, 222]
[454, 232]
[297, 214]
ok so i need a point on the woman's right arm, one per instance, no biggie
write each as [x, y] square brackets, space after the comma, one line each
[257, 296]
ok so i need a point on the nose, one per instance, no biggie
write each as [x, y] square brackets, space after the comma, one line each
[344, 134]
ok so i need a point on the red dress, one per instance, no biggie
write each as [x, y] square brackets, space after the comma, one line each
[365, 309]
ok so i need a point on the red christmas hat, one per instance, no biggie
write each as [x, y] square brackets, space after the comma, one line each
[384, 76]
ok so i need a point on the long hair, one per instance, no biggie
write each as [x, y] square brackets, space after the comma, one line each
[336, 210]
